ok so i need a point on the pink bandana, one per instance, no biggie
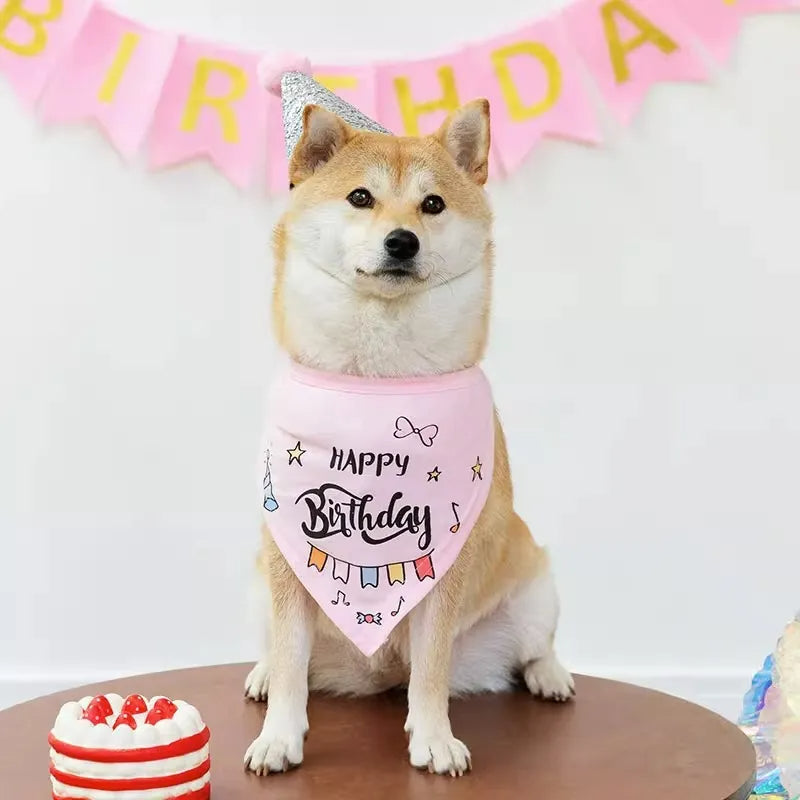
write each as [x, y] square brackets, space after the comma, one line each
[372, 486]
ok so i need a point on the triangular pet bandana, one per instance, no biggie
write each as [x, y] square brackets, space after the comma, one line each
[372, 485]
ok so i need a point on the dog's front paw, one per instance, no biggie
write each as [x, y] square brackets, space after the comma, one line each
[275, 751]
[548, 679]
[441, 753]
[256, 684]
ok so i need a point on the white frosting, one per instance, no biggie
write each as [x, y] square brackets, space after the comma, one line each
[71, 729]
[141, 769]
[62, 790]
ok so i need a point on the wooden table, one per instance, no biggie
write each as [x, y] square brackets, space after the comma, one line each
[616, 741]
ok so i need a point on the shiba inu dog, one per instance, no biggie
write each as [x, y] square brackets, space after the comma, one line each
[384, 264]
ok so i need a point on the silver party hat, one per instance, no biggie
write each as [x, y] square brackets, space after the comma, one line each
[299, 90]
[289, 76]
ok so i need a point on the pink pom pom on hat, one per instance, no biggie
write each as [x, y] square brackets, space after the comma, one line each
[271, 70]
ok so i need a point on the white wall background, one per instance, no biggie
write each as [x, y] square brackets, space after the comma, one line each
[644, 356]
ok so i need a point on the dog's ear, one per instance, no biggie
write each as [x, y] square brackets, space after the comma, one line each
[323, 134]
[465, 135]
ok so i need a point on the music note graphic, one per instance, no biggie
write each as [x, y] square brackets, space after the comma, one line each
[455, 528]
[343, 596]
[397, 610]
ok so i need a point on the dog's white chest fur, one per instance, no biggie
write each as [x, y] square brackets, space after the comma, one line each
[341, 331]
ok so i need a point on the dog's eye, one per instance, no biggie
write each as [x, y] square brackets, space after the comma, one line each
[361, 198]
[433, 204]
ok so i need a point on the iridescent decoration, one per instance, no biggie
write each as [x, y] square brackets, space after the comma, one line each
[771, 719]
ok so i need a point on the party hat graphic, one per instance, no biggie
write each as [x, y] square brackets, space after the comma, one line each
[289, 77]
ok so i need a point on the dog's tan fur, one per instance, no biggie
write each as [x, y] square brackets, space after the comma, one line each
[500, 555]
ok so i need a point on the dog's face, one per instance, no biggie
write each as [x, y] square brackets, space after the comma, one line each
[390, 216]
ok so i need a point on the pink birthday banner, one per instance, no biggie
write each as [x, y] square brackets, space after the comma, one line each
[178, 98]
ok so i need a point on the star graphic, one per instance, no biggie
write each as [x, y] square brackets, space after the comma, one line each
[476, 470]
[295, 453]
[434, 474]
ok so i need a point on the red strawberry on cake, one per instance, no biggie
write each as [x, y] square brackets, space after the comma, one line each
[111, 746]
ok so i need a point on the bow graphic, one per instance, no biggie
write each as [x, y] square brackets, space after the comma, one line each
[404, 427]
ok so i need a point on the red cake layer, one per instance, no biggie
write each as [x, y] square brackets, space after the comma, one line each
[132, 784]
[181, 747]
[200, 794]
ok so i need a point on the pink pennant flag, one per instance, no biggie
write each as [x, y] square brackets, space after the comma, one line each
[211, 105]
[535, 89]
[114, 74]
[356, 85]
[631, 45]
[415, 97]
[717, 22]
[34, 36]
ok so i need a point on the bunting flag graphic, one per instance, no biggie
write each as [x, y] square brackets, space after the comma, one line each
[341, 570]
[424, 568]
[397, 573]
[370, 575]
[317, 558]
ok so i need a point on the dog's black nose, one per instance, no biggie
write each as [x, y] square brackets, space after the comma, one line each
[401, 244]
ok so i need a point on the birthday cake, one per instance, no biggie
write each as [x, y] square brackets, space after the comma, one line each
[108, 747]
